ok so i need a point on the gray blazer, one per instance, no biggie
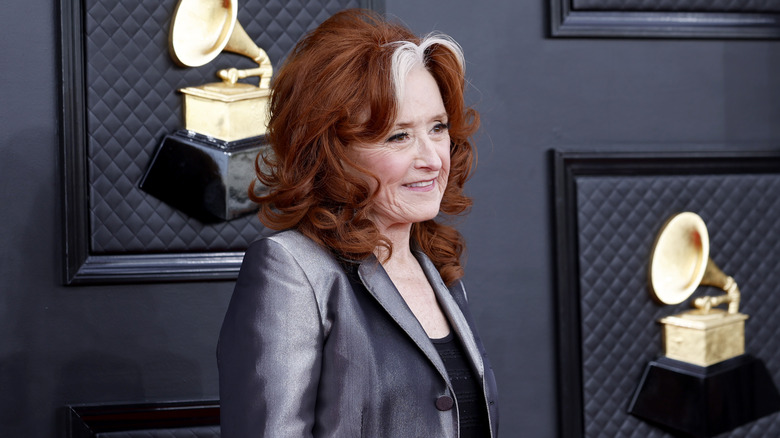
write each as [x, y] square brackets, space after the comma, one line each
[311, 348]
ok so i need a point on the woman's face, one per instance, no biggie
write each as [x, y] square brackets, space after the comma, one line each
[413, 163]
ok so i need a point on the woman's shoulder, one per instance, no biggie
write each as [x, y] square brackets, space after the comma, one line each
[307, 253]
[290, 258]
[292, 241]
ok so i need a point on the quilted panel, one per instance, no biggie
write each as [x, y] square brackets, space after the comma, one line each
[132, 104]
[618, 218]
[678, 5]
[189, 432]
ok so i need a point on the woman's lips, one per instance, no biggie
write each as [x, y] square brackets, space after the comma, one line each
[421, 185]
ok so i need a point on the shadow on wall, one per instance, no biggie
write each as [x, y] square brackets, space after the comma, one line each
[29, 216]
[14, 381]
[95, 376]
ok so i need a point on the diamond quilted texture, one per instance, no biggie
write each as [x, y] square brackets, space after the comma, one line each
[618, 218]
[678, 5]
[132, 104]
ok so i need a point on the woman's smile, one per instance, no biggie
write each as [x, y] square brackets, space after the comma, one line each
[424, 185]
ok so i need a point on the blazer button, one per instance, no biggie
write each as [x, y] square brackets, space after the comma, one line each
[444, 403]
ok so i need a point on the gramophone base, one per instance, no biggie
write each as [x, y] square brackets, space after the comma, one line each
[705, 401]
[230, 112]
[204, 177]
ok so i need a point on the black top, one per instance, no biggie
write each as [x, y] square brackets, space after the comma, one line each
[472, 410]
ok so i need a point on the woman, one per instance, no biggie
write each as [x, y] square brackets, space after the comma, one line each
[354, 321]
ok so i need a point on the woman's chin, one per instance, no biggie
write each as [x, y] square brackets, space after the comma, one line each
[426, 216]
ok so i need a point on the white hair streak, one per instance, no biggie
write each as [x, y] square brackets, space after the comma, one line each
[408, 55]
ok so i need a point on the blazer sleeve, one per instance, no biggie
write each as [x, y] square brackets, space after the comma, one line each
[269, 350]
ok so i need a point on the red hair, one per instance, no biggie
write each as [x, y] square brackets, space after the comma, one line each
[335, 88]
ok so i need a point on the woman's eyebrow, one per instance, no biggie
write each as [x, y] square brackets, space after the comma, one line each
[405, 124]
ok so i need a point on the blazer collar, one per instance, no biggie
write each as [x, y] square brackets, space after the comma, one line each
[452, 310]
[378, 283]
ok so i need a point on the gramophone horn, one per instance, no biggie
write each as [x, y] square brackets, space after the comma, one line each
[680, 262]
[679, 258]
[202, 29]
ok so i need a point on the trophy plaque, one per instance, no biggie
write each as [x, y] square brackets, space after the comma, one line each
[705, 384]
[206, 169]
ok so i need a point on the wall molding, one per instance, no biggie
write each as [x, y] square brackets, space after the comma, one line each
[81, 264]
[89, 421]
[568, 167]
[566, 21]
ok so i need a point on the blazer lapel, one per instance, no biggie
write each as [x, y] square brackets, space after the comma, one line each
[378, 283]
[453, 312]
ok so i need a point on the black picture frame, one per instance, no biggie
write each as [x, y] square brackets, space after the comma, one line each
[89, 421]
[567, 167]
[567, 21]
[80, 264]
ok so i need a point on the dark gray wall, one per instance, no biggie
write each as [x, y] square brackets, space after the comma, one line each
[537, 93]
[63, 345]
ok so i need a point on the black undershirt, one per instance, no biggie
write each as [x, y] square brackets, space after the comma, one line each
[472, 410]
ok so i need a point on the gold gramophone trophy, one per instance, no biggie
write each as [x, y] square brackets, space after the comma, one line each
[205, 169]
[704, 384]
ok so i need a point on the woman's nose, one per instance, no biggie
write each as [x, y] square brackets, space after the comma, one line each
[427, 155]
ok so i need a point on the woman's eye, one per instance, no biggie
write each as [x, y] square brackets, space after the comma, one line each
[440, 127]
[401, 136]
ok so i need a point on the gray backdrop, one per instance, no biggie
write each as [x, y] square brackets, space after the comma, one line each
[156, 342]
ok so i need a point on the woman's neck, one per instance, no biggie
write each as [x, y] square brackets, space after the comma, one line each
[409, 278]
[399, 237]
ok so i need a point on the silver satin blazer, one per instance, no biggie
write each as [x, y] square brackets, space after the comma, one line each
[311, 348]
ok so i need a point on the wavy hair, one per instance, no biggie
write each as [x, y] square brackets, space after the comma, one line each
[340, 85]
